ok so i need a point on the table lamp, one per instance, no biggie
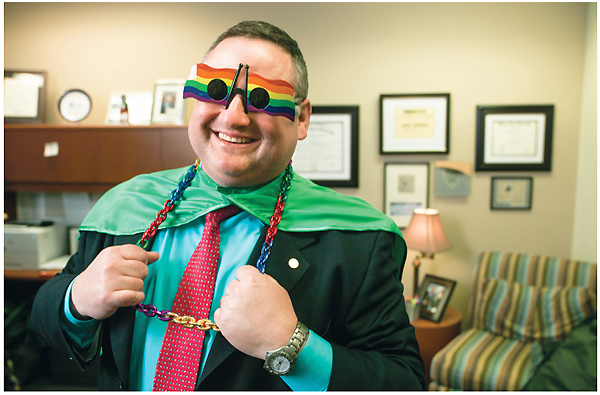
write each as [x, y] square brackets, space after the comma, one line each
[425, 234]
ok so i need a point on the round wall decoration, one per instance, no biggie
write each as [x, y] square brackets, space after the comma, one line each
[74, 105]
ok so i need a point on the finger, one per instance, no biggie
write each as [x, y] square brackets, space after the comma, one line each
[230, 289]
[125, 298]
[246, 271]
[136, 253]
[151, 257]
[217, 316]
[124, 283]
[131, 268]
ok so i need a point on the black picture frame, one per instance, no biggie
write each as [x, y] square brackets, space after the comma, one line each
[434, 294]
[414, 123]
[511, 193]
[20, 87]
[329, 154]
[514, 138]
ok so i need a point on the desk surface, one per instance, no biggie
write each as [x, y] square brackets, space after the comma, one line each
[29, 275]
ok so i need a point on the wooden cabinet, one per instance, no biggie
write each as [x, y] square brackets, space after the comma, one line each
[89, 158]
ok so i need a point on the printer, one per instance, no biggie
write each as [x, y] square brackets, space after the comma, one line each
[30, 246]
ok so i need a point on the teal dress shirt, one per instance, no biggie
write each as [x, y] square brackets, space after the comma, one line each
[239, 236]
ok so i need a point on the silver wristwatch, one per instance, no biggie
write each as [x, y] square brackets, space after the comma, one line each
[281, 361]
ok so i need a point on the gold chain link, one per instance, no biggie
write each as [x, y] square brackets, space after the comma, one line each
[191, 322]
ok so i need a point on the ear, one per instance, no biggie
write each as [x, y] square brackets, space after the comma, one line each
[304, 119]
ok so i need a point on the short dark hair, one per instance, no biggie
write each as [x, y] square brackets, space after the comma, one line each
[267, 32]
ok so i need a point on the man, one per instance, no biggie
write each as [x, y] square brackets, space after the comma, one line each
[328, 312]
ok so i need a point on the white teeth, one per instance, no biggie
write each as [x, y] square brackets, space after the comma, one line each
[237, 140]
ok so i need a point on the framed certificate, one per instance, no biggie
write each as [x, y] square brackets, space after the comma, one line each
[511, 193]
[406, 188]
[514, 138]
[329, 154]
[415, 123]
[24, 96]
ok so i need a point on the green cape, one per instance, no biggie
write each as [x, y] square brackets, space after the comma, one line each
[130, 207]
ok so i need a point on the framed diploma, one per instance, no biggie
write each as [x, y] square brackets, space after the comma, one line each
[329, 154]
[406, 187]
[415, 123]
[24, 96]
[514, 138]
[511, 193]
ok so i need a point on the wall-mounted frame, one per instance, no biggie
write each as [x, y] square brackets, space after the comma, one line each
[514, 138]
[415, 123]
[511, 193]
[435, 294]
[168, 106]
[24, 96]
[329, 154]
[406, 187]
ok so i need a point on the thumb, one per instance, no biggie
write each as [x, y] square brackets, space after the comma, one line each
[151, 257]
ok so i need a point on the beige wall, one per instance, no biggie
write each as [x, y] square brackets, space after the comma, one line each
[586, 194]
[481, 53]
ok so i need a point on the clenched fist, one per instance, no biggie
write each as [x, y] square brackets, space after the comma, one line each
[114, 279]
[256, 313]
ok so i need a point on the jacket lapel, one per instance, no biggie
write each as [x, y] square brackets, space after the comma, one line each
[286, 246]
[121, 328]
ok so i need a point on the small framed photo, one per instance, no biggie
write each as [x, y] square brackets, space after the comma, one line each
[168, 106]
[406, 187]
[24, 96]
[514, 138]
[434, 294]
[415, 123]
[511, 193]
[329, 154]
[139, 105]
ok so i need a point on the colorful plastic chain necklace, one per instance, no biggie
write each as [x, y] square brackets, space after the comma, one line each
[176, 195]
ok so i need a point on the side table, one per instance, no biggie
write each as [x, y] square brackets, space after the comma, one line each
[432, 336]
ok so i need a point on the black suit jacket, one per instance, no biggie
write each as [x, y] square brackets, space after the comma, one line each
[346, 289]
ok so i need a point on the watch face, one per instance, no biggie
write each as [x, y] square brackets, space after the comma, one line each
[280, 364]
[74, 105]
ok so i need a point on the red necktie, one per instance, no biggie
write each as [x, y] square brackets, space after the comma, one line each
[179, 358]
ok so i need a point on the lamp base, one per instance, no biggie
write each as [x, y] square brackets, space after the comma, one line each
[416, 264]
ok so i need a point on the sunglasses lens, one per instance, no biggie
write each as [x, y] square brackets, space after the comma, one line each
[217, 89]
[259, 98]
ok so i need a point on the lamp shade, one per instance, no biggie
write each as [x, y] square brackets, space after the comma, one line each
[425, 233]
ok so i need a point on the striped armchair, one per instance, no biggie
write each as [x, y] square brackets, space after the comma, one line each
[516, 300]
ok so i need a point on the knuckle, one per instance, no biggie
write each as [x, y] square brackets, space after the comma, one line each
[139, 285]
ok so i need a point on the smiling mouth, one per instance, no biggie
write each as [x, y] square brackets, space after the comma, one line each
[236, 140]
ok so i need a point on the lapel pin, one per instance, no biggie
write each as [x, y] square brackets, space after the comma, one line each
[293, 263]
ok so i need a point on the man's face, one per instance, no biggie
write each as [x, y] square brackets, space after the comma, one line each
[239, 149]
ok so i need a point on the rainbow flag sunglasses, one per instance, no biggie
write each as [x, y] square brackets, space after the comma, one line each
[273, 97]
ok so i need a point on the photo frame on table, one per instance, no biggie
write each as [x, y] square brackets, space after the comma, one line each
[406, 187]
[329, 154]
[434, 294]
[415, 123]
[139, 104]
[511, 193]
[514, 138]
[168, 106]
[24, 96]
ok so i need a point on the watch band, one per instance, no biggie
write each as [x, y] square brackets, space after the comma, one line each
[289, 352]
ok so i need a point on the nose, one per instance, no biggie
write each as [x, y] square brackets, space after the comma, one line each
[235, 115]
